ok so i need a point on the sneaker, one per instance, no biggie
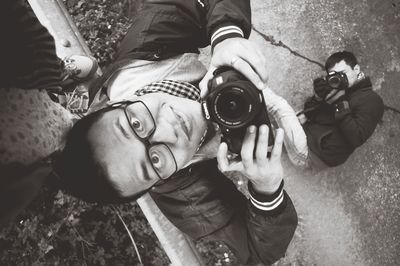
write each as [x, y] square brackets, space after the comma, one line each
[78, 68]
[77, 101]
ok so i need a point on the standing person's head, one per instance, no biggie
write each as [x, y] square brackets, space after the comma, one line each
[345, 62]
[120, 152]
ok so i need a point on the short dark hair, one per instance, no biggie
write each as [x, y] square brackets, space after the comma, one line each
[335, 58]
[81, 174]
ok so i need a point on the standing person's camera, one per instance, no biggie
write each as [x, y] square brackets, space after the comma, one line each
[234, 103]
[334, 80]
[337, 80]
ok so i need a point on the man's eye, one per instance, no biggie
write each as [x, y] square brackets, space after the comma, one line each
[156, 160]
[137, 125]
[162, 160]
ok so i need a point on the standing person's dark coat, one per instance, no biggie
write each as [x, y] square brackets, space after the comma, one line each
[333, 135]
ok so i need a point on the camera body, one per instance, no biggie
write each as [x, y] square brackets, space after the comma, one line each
[337, 80]
[234, 103]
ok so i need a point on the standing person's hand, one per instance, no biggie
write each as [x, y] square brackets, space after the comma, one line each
[265, 173]
[334, 95]
[241, 54]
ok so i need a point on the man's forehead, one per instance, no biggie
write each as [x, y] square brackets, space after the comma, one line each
[340, 66]
[124, 159]
[117, 153]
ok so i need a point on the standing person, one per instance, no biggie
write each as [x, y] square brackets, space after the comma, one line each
[344, 111]
[152, 136]
[341, 116]
[32, 125]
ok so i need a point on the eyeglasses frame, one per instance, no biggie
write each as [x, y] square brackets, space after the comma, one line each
[144, 140]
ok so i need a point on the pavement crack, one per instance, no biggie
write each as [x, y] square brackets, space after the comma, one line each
[270, 39]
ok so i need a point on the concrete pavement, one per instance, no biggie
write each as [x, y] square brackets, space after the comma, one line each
[349, 215]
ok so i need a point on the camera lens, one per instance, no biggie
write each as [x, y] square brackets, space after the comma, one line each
[235, 107]
[232, 105]
[334, 81]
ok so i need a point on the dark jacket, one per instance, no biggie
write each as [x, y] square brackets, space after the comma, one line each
[167, 28]
[200, 200]
[205, 204]
[334, 133]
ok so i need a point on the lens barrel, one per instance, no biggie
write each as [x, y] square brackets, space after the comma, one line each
[337, 80]
[234, 105]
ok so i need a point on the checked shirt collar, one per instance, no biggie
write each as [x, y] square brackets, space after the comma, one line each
[175, 88]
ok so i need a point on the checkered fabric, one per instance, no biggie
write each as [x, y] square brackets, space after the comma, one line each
[176, 88]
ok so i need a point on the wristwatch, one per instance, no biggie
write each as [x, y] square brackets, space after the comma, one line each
[341, 109]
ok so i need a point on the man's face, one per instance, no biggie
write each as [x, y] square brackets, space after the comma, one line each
[351, 73]
[179, 125]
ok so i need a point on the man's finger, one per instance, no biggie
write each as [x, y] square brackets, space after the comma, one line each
[262, 145]
[336, 96]
[277, 149]
[223, 163]
[245, 68]
[247, 150]
[332, 96]
[204, 82]
[257, 62]
[222, 157]
[235, 166]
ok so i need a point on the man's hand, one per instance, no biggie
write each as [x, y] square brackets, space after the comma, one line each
[265, 173]
[334, 95]
[241, 54]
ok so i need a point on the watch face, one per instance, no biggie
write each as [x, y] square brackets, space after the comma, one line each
[341, 106]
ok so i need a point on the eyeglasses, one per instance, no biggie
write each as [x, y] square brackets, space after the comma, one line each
[143, 125]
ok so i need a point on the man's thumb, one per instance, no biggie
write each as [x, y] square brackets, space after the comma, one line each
[204, 82]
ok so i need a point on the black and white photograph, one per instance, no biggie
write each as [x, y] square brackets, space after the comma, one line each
[200, 132]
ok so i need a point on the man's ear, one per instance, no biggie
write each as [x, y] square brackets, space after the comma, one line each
[357, 68]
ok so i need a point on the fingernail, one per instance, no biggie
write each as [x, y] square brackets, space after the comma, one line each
[252, 129]
[263, 129]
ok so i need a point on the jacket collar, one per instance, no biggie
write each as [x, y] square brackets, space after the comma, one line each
[186, 176]
[364, 83]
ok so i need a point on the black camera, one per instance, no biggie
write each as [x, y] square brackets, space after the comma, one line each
[337, 80]
[234, 103]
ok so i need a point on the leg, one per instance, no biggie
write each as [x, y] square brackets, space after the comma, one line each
[29, 59]
[32, 125]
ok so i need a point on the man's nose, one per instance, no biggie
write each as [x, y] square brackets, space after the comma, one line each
[165, 132]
